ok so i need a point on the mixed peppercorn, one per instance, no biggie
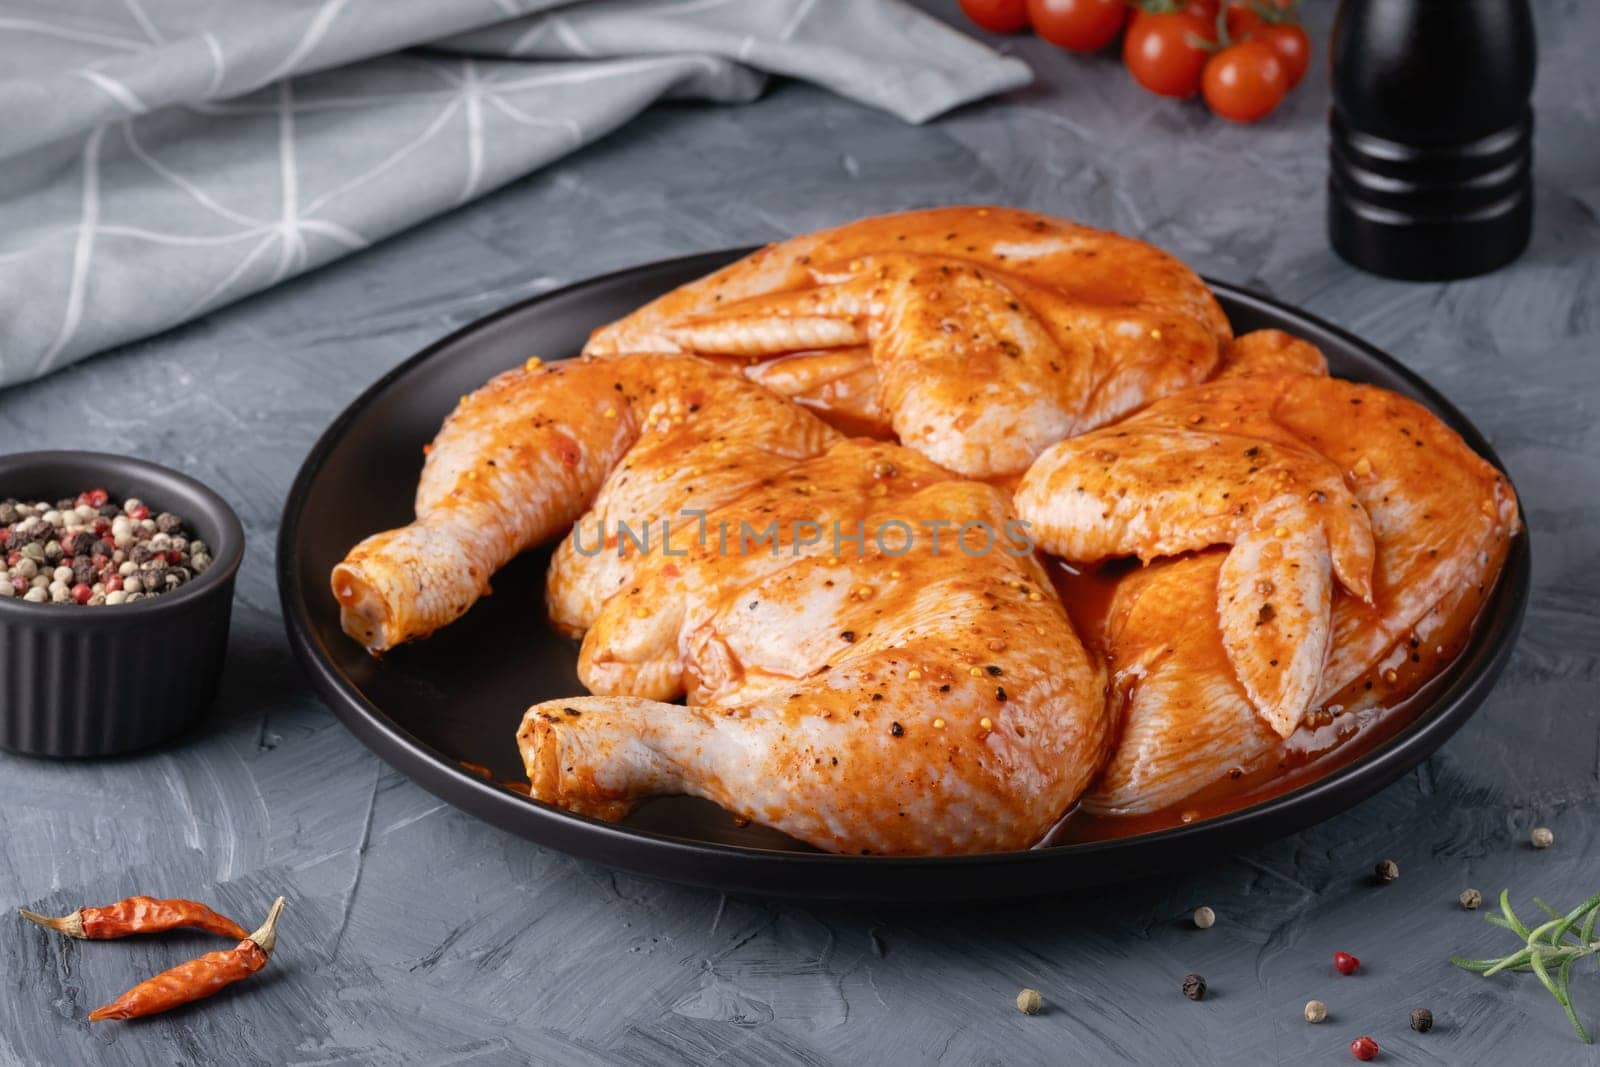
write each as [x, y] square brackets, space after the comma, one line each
[90, 550]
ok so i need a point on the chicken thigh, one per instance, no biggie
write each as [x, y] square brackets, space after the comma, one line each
[919, 691]
[979, 336]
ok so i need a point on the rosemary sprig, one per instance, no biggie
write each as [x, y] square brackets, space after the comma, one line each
[1549, 950]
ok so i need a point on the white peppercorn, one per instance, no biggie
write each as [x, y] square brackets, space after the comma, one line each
[1542, 837]
[36, 595]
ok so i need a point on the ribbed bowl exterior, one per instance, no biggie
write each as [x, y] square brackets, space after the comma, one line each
[79, 682]
[78, 687]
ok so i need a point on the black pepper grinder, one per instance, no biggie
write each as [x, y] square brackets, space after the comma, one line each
[1431, 160]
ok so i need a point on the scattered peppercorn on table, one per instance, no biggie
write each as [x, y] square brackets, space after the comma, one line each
[414, 933]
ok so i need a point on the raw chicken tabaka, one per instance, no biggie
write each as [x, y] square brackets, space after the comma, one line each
[1175, 564]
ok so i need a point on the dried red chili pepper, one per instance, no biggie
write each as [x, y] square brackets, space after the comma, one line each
[137, 915]
[197, 979]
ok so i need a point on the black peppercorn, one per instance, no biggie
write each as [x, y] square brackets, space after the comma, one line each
[1421, 1020]
[84, 570]
[1386, 871]
[109, 511]
[1194, 987]
[100, 548]
[82, 544]
[168, 523]
[140, 553]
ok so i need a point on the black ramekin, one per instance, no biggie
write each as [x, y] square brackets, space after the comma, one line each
[79, 681]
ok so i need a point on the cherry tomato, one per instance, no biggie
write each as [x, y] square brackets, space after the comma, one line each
[997, 16]
[1245, 81]
[1078, 25]
[1293, 45]
[1164, 51]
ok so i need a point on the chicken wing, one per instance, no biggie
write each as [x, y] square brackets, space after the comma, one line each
[1186, 720]
[989, 333]
[1208, 466]
[914, 692]
[1442, 520]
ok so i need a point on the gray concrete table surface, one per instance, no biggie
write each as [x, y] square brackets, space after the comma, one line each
[417, 934]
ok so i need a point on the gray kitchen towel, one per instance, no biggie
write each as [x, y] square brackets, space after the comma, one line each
[162, 158]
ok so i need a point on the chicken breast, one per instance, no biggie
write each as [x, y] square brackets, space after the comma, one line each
[979, 336]
[910, 693]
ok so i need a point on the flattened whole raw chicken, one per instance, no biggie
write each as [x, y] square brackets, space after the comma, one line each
[893, 690]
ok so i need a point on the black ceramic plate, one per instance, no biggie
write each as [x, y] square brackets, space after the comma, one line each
[459, 696]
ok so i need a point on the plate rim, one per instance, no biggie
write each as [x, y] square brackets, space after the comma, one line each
[1488, 648]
